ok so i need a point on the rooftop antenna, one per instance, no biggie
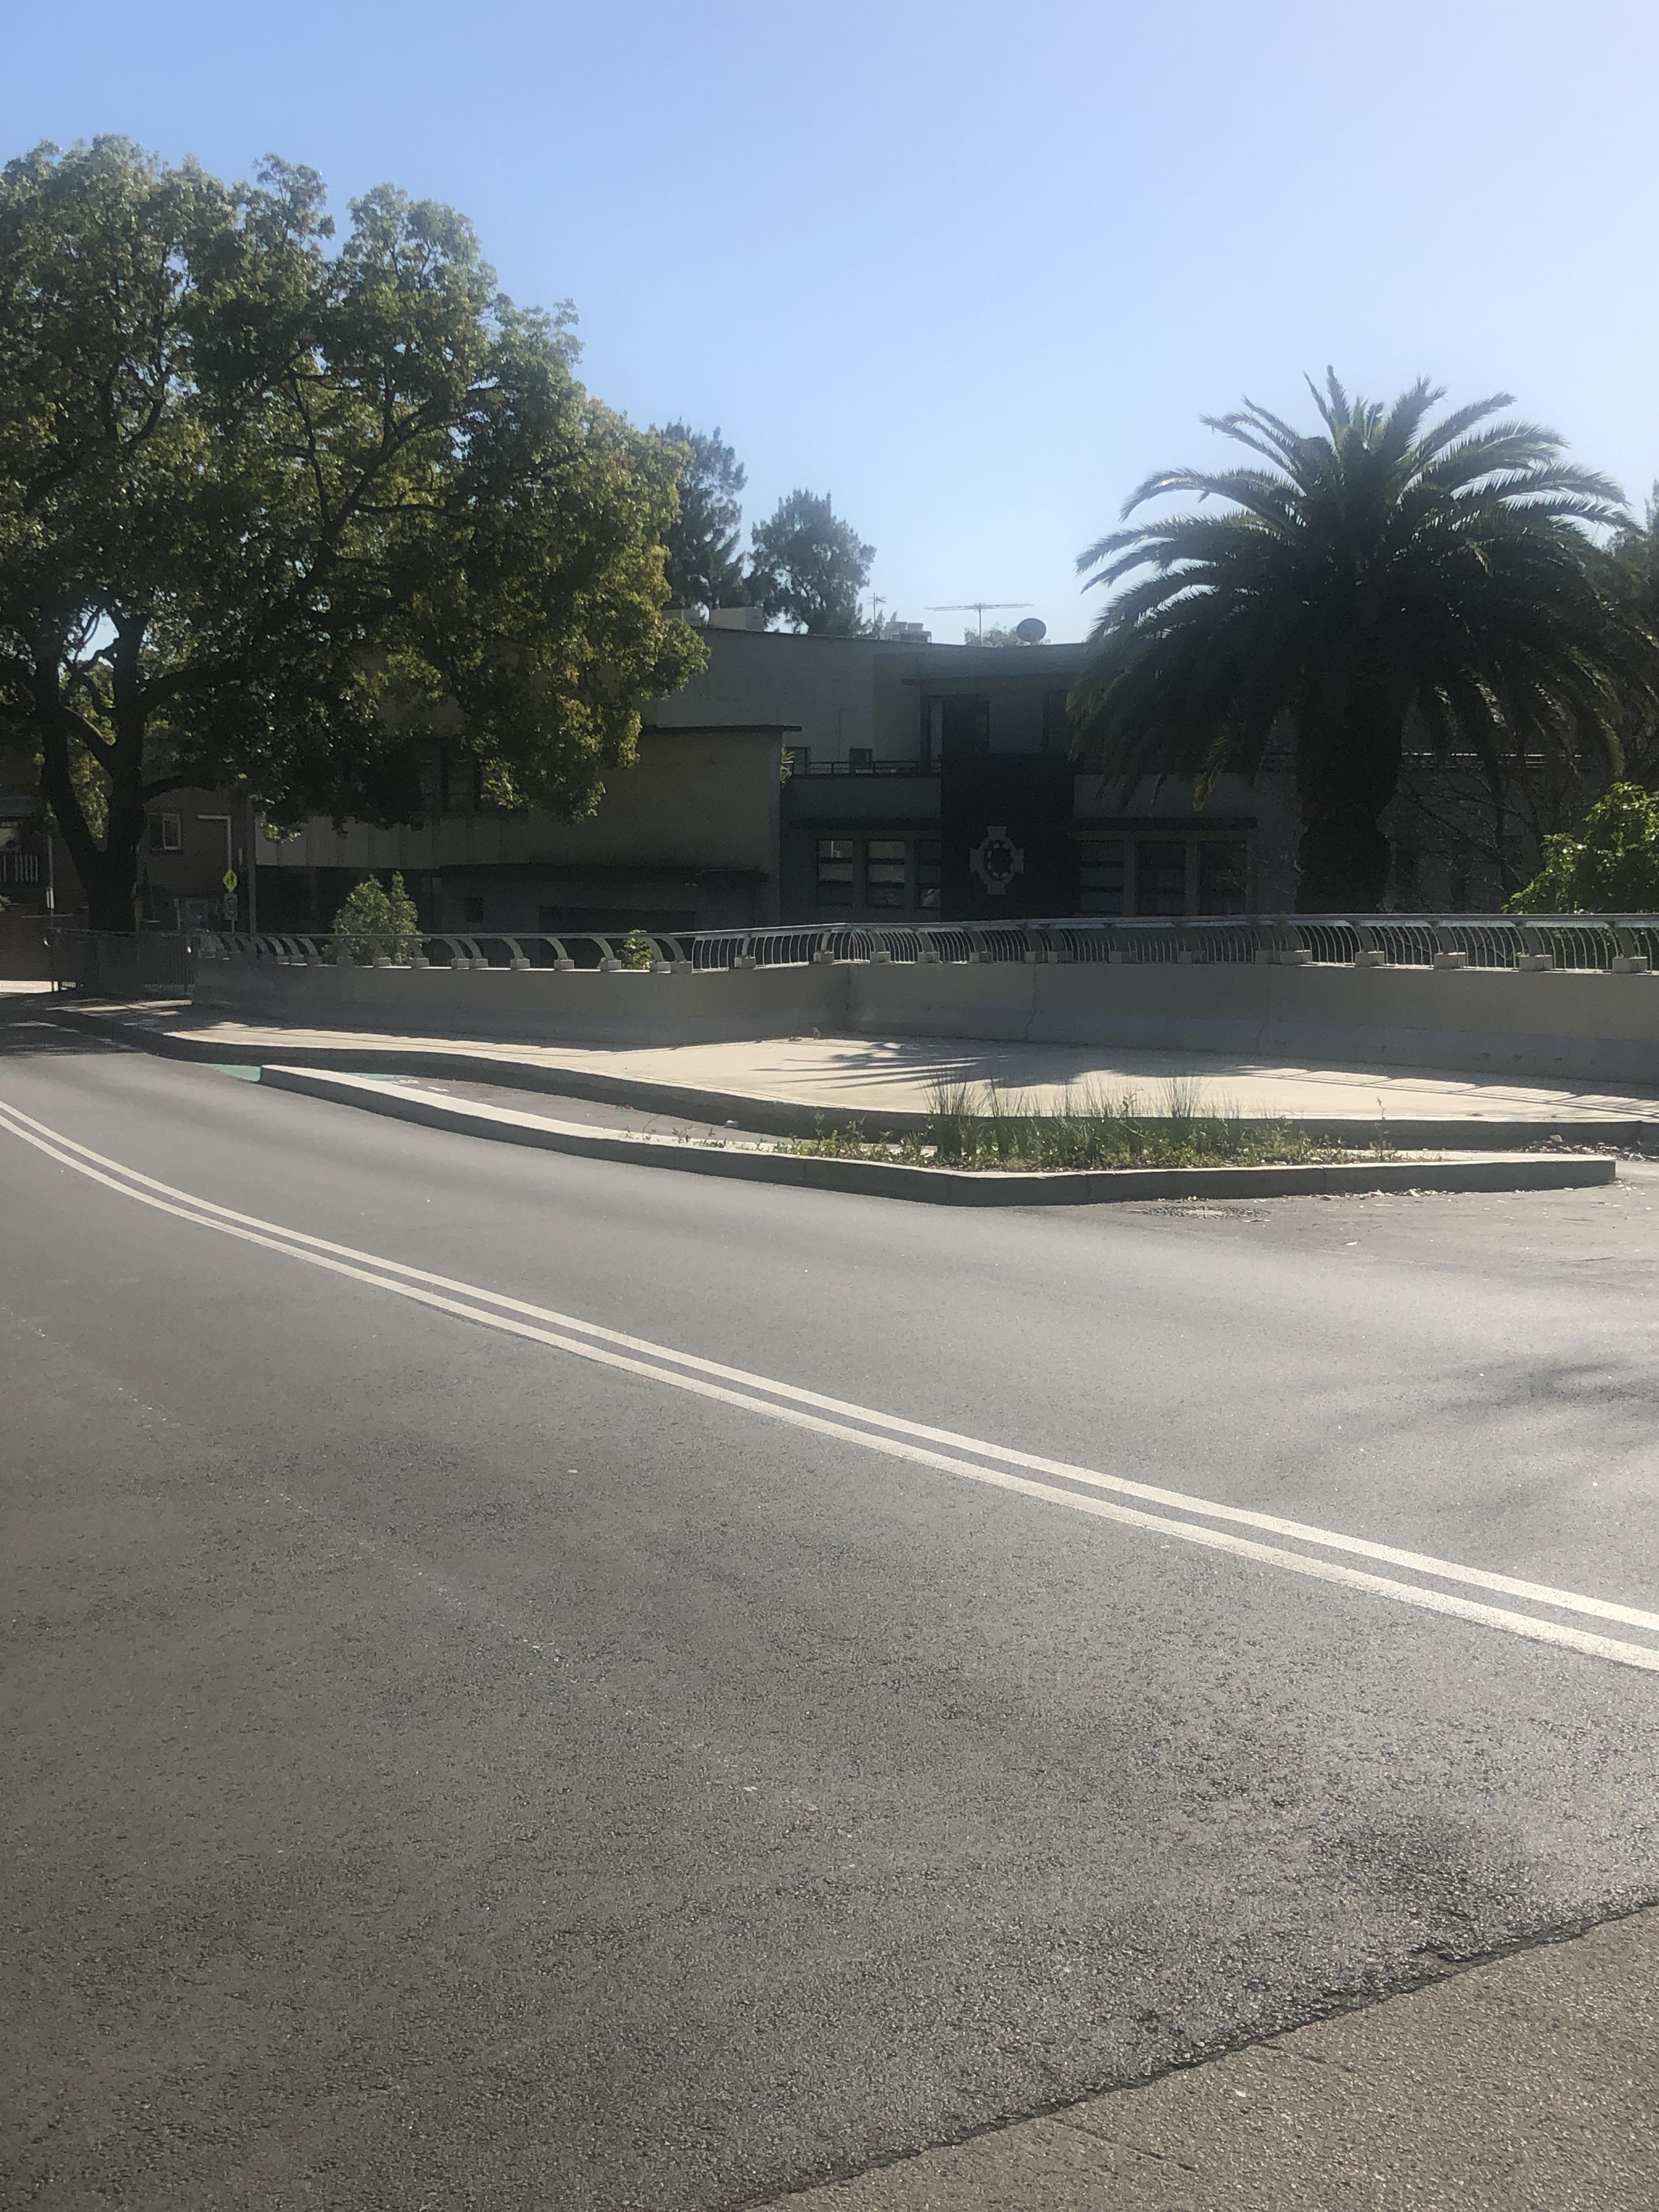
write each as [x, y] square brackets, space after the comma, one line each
[980, 607]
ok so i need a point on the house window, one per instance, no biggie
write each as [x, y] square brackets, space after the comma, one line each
[460, 781]
[861, 758]
[965, 725]
[1100, 876]
[1160, 876]
[884, 872]
[1222, 875]
[166, 833]
[835, 873]
[927, 874]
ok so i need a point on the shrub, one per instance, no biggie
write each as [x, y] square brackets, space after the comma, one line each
[1612, 868]
[379, 918]
[637, 950]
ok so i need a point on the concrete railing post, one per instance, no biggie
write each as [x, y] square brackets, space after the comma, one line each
[1368, 953]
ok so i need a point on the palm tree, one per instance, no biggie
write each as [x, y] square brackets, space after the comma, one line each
[1392, 576]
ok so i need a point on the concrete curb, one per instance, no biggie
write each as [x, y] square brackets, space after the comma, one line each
[787, 1117]
[942, 1186]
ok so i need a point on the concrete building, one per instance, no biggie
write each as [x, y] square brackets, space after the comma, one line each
[797, 779]
[805, 778]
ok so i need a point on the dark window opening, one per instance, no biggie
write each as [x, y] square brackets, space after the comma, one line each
[884, 872]
[460, 781]
[835, 872]
[1101, 876]
[1222, 875]
[1160, 876]
[965, 725]
[860, 756]
[166, 833]
[927, 874]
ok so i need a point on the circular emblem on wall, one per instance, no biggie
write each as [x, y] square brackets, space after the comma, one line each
[996, 860]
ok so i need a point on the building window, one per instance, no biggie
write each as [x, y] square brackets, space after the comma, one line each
[1101, 876]
[460, 781]
[927, 874]
[884, 872]
[965, 725]
[1222, 875]
[1057, 730]
[835, 876]
[861, 757]
[1160, 876]
[167, 833]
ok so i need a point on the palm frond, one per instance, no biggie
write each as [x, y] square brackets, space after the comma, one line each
[1395, 570]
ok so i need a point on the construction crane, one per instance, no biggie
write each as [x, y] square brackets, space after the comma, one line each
[980, 607]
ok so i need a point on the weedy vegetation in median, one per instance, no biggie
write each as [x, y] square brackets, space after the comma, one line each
[976, 1126]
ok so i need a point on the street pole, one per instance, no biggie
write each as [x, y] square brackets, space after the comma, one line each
[252, 867]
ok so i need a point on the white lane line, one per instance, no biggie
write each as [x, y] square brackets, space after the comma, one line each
[1122, 1486]
[376, 1274]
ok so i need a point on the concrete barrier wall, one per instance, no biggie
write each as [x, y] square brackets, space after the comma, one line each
[1496, 1021]
[627, 1007]
[1590, 1027]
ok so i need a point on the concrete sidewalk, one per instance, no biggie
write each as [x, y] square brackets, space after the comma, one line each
[881, 1077]
[1530, 2084]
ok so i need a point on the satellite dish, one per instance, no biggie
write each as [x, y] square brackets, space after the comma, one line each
[1031, 631]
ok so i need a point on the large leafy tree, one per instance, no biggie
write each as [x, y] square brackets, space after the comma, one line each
[1389, 577]
[809, 566]
[705, 568]
[1611, 867]
[275, 513]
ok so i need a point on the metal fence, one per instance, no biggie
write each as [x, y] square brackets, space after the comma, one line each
[1604, 943]
[145, 964]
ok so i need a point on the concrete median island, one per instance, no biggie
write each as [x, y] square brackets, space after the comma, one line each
[750, 1159]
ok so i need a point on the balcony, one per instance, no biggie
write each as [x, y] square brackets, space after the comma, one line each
[816, 768]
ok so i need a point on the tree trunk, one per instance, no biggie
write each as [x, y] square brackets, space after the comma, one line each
[1344, 859]
[107, 867]
[111, 885]
[1345, 776]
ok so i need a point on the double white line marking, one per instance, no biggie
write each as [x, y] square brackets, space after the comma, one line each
[1077, 1489]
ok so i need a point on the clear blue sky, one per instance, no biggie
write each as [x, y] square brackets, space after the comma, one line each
[975, 269]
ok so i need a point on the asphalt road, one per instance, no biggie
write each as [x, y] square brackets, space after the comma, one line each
[455, 1756]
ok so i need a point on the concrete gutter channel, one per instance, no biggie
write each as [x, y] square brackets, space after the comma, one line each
[1523, 2082]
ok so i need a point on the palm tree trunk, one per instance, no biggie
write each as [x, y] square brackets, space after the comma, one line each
[1347, 772]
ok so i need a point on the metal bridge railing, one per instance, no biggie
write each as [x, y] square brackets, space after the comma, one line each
[140, 964]
[1587, 943]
